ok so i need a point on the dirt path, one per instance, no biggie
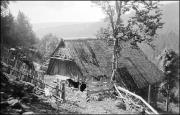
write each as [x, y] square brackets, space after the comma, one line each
[76, 102]
[106, 106]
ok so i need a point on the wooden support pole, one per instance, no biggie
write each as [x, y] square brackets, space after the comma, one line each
[149, 94]
[15, 65]
[63, 91]
[167, 99]
[32, 73]
[11, 70]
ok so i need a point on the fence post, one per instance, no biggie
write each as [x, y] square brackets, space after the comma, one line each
[57, 93]
[43, 82]
[17, 68]
[87, 96]
[20, 75]
[10, 70]
[15, 63]
[22, 71]
[33, 76]
[63, 91]
[7, 60]
[37, 80]
[57, 88]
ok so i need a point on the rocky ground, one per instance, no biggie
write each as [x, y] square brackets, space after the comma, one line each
[18, 97]
[76, 102]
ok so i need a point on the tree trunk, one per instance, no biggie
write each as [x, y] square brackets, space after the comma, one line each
[114, 63]
[154, 95]
[115, 33]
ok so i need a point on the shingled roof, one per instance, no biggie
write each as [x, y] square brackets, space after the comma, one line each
[94, 58]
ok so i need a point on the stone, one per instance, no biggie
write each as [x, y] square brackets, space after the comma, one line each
[11, 102]
[120, 104]
[43, 111]
[4, 95]
[24, 106]
[28, 87]
[26, 99]
[4, 104]
[4, 78]
[34, 98]
[27, 113]
[18, 89]
[17, 106]
[18, 110]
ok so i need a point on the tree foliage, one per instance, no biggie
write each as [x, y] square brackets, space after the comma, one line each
[47, 45]
[24, 32]
[15, 31]
[4, 7]
[169, 64]
[142, 26]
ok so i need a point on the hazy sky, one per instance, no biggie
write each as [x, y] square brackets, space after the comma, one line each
[59, 11]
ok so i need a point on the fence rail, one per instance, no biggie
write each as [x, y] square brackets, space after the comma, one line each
[20, 70]
[134, 101]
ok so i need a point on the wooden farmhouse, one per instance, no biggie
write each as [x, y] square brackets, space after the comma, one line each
[91, 59]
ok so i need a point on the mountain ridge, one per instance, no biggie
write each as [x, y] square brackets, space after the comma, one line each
[168, 35]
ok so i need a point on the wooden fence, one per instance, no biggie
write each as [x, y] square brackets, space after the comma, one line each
[134, 101]
[20, 70]
[131, 100]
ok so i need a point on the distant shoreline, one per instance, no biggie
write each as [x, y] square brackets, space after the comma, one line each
[76, 38]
